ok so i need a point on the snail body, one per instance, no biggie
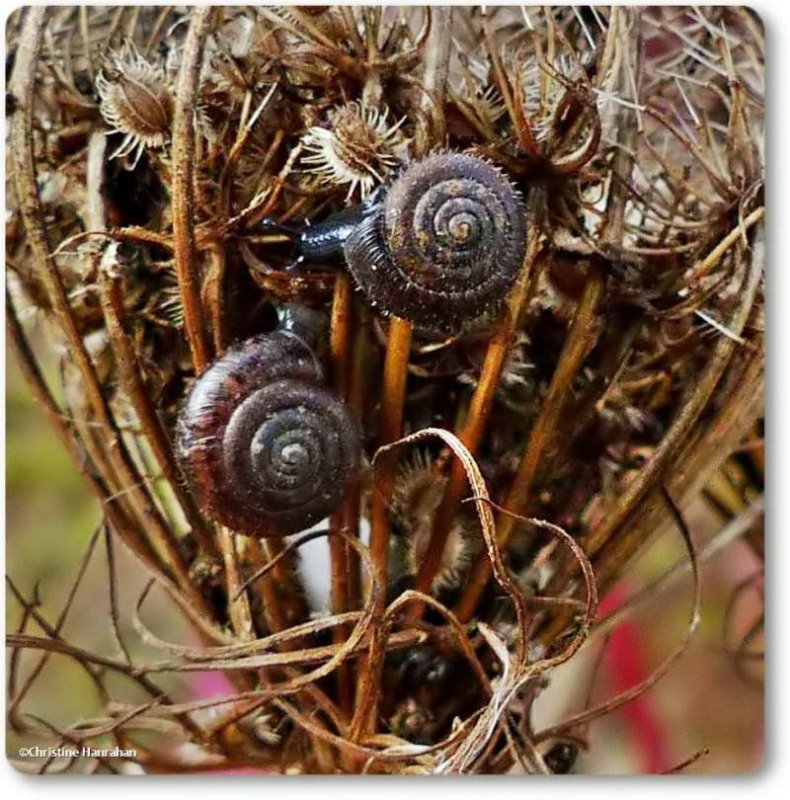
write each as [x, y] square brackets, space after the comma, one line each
[324, 241]
[440, 247]
[267, 447]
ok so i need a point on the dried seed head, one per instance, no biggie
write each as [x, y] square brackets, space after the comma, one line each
[417, 493]
[476, 91]
[135, 100]
[544, 88]
[358, 148]
[489, 103]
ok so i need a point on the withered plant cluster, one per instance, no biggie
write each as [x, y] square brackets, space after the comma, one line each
[511, 476]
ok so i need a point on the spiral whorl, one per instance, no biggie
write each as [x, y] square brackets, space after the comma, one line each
[445, 247]
[268, 449]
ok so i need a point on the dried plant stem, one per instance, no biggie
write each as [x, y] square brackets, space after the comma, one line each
[157, 27]
[580, 339]
[56, 644]
[702, 268]
[353, 497]
[134, 386]
[479, 411]
[341, 331]
[215, 282]
[281, 614]
[696, 460]
[95, 213]
[623, 547]
[112, 579]
[277, 617]
[183, 203]
[16, 697]
[393, 393]
[131, 233]
[682, 426]
[238, 601]
[183, 190]
[437, 62]
[215, 291]
[13, 666]
[21, 135]
[265, 204]
[60, 423]
[122, 524]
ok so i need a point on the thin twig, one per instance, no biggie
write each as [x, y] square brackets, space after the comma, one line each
[393, 393]
[481, 404]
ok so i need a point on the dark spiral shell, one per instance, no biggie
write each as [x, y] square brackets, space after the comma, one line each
[444, 247]
[267, 448]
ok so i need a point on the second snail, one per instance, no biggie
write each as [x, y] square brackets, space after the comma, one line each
[267, 447]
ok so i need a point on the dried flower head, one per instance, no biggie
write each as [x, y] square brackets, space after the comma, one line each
[475, 93]
[135, 100]
[417, 493]
[358, 147]
[559, 107]
[599, 408]
[543, 88]
[518, 379]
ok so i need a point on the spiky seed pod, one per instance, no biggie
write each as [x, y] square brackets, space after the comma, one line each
[543, 89]
[489, 104]
[417, 494]
[358, 148]
[559, 109]
[444, 247]
[135, 101]
[475, 91]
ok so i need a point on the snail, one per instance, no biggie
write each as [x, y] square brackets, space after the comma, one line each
[267, 448]
[561, 758]
[439, 247]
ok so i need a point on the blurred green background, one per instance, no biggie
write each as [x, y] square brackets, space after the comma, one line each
[50, 518]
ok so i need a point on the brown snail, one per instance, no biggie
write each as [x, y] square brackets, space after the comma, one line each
[267, 447]
[440, 247]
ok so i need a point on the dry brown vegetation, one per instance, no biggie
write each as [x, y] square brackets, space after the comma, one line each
[512, 476]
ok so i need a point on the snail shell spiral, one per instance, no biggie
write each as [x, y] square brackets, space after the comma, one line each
[444, 247]
[267, 448]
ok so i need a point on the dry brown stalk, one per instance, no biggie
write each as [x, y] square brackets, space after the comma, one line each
[183, 190]
[481, 404]
[340, 338]
[393, 393]
[22, 85]
[581, 336]
[112, 306]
